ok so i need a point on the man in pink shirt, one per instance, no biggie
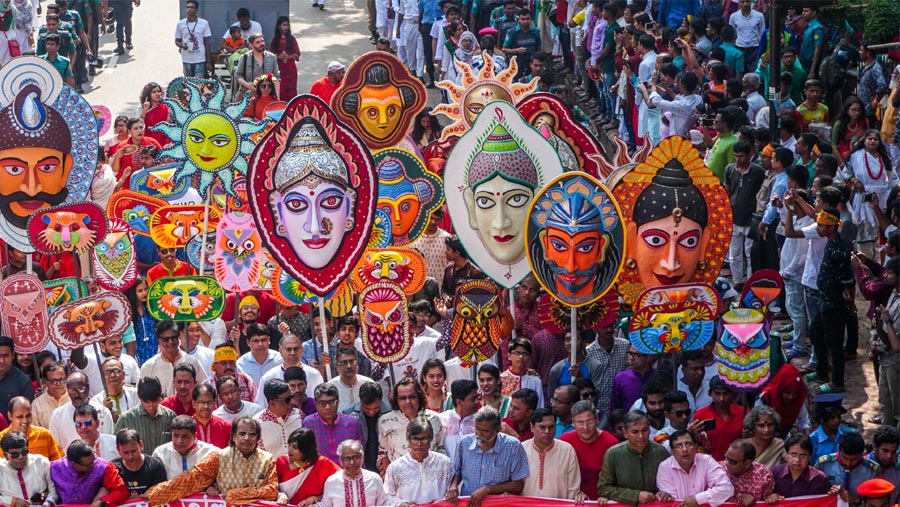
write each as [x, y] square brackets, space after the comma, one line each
[690, 478]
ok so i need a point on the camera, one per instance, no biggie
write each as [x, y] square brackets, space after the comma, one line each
[868, 197]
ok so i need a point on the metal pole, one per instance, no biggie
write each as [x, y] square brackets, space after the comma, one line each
[324, 331]
[574, 332]
[776, 35]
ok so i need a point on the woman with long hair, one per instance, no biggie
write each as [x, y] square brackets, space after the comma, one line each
[126, 157]
[287, 51]
[426, 128]
[262, 97]
[871, 176]
[302, 471]
[153, 111]
[489, 389]
[434, 382]
[145, 345]
[849, 128]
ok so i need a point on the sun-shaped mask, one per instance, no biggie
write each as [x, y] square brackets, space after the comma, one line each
[476, 90]
[211, 137]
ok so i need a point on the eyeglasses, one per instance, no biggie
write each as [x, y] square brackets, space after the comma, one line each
[682, 413]
[419, 440]
[57, 381]
[350, 362]
[520, 353]
[557, 401]
[251, 434]
[166, 250]
[79, 389]
[169, 338]
[115, 372]
[684, 445]
[86, 424]
[350, 459]
[291, 350]
[732, 462]
[326, 403]
[17, 454]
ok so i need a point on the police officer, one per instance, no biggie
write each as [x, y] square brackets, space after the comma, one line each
[522, 42]
[848, 468]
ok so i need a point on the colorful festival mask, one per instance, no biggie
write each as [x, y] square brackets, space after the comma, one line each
[115, 263]
[475, 328]
[90, 320]
[379, 99]
[63, 291]
[185, 299]
[381, 235]
[502, 162]
[407, 192]
[743, 350]
[48, 145]
[660, 329]
[23, 312]
[135, 209]
[436, 153]
[682, 293]
[173, 226]
[266, 269]
[403, 267]
[762, 289]
[238, 252]
[104, 119]
[576, 238]
[211, 137]
[342, 301]
[578, 149]
[384, 323]
[69, 228]
[288, 291]
[192, 252]
[478, 88]
[313, 188]
[160, 182]
[677, 217]
[557, 317]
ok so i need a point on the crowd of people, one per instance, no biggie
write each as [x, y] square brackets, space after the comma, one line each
[259, 405]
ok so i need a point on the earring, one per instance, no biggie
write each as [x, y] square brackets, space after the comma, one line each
[630, 264]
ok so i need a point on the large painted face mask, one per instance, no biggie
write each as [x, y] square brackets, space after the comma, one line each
[90, 320]
[115, 263]
[576, 239]
[744, 350]
[186, 299]
[23, 312]
[160, 182]
[504, 163]
[384, 329]
[70, 228]
[48, 150]
[475, 328]
[312, 191]
[238, 252]
[407, 193]
[761, 292]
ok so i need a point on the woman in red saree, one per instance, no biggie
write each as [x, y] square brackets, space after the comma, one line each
[153, 111]
[127, 155]
[302, 472]
[286, 49]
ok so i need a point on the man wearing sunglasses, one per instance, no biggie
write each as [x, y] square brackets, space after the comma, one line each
[279, 419]
[751, 480]
[88, 428]
[35, 485]
[678, 415]
[168, 265]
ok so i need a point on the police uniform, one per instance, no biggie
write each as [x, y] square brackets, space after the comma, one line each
[847, 479]
[891, 474]
[529, 39]
[875, 489]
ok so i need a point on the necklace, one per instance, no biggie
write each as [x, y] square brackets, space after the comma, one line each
[880, 168]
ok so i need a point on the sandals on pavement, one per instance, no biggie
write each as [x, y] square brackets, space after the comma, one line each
[829, 388]
[813, 377]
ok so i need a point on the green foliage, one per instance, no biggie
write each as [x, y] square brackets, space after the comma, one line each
[879, 20]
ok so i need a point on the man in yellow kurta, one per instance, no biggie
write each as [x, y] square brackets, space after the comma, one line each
[40, 441]
[241, 473]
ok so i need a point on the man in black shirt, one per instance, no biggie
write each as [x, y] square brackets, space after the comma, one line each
[139, 471]
[367, 411]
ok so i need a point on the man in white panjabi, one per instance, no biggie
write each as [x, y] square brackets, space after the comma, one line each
[353, 486]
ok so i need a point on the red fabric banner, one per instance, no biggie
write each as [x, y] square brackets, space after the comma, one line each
[491, 501]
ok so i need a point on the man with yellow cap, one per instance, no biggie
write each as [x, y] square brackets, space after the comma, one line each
[248, 315]
[875, 492]
[835, 284]
[225, 365]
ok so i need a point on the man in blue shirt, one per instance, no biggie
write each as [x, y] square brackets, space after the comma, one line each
[488, 462]
[522, 42]
[848, 468]
[813, 38]
[60, 63]
[826, 436]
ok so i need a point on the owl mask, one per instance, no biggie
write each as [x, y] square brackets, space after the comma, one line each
[744, 351]
[475, 327]
[115, 263]
[23, 312]
[238, 252]
[385, 323]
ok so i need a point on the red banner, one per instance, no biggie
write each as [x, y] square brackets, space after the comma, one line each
[491, 501]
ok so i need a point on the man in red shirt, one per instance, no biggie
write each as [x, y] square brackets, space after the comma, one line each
[517, 423]
[590, 445]
[727, 420]
[168, 265]
[183, 381]
[210, 429]
[325, 87]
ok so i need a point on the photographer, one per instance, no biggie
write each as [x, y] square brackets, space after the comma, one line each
[722, 152]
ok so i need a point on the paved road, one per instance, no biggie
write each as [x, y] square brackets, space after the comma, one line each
[337, 33]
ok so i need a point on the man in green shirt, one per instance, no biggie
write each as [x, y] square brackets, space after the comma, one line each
[629, 469]
[722, 152]
[60, 63]
[152, 420]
